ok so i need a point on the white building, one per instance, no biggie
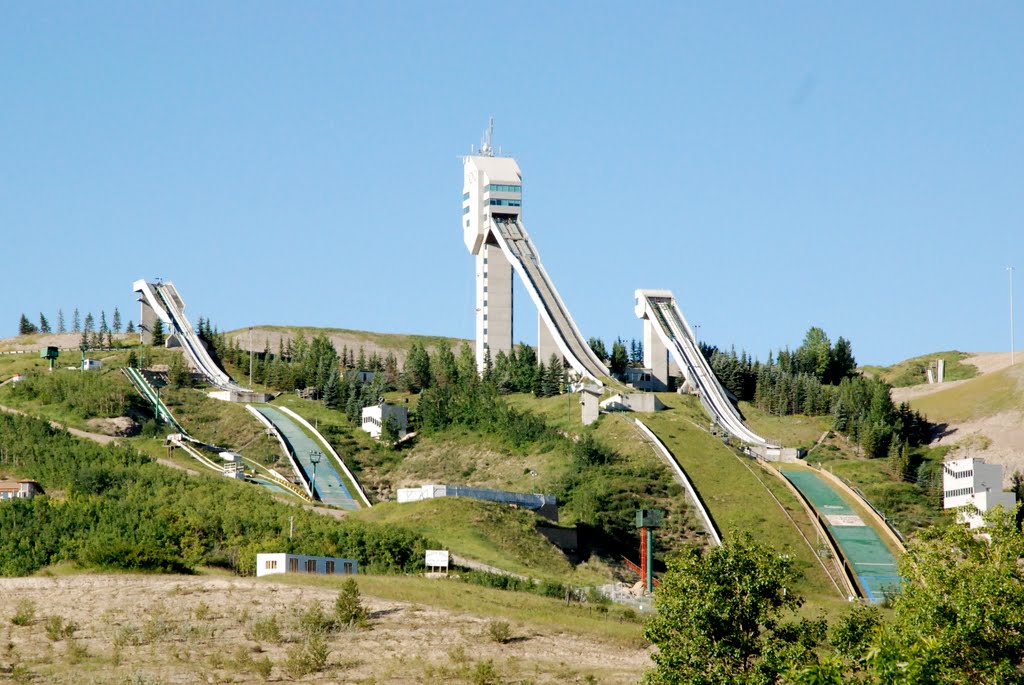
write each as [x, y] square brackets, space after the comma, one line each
[18, 489]
[91, 364]
[974, 487]
[269, 564]
[375, 417]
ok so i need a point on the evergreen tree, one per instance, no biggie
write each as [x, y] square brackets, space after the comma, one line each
[539, 386]
[390, 372]
[130, 328]
[555, 375]
[90, 323]
[466, 365]
[26, 327]
[76, 322]
[332, 391]
[117, 320]
[103, 322]
[158, 333]
[361, 364]
[620, 359]
[597, 345]
[417, 370]
[133, 360]
[61, 328]
[84, 342]
[44, 325]
[444, 366]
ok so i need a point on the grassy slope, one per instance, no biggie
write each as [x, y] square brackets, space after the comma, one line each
[980, 397]
[912, 371]
[740, 498]
[398, 342]
[488, 532]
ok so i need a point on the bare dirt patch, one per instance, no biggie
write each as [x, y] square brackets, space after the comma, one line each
[181, 629]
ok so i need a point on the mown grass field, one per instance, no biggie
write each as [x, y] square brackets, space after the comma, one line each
[987, 395]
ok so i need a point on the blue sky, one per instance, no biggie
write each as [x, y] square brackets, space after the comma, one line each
[854, 166]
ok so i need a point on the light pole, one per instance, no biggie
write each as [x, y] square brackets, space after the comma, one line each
[314, 458]
[1010, 269]
[250, 356]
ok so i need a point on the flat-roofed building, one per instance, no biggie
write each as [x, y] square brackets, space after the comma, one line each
[281, 562]
[974, 488]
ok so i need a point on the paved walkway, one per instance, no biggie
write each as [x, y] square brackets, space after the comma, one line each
[872, 562]
[329, 485]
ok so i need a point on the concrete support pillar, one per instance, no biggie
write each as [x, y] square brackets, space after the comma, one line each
[655, 357]
[493, 303]
[146, 320]
[546, 345]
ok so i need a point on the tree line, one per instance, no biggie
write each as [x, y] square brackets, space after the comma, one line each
[120, 510]
[88, 326]
[821, 379]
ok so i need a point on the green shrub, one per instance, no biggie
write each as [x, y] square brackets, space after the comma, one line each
[310, 657]
[499, 631]
[265, 630]
[24, 612]
[57, 629]
[348, 607]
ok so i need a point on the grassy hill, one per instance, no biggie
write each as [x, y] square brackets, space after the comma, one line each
[980, 397]
[912, 371]
[269, 337]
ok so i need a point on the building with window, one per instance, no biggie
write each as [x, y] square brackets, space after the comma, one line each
[974, 488]
[376, 416]
[19, 489]
[269, 564]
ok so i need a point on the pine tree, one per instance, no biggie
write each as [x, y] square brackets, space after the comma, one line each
[76, 322]
[117, 320]
[158, 333]
[26, 327]
[61, 328]
[619, 361]
[130, 328]
[90, 323]
[44, 325]
[103, 322]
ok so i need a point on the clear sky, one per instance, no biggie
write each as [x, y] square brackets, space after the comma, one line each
[856, 166]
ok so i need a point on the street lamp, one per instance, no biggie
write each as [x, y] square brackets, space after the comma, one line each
[1010, 269]
[314, 458]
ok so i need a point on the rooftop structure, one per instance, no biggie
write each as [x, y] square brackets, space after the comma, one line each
[974, 488]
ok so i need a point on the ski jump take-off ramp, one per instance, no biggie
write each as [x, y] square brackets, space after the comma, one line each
[666, 332]
[162, 301]
[494, 234]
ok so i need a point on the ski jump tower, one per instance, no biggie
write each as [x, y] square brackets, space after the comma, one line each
[492, 204]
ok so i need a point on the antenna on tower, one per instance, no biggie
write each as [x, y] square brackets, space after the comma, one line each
[486, 150]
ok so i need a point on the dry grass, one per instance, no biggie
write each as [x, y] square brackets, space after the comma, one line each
[176, 629]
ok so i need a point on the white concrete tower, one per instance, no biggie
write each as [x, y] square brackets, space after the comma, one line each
[492, 187]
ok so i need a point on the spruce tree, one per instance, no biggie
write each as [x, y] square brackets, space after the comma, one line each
[117, 320]
[130, 328]
[26, 327]
[158, 333]
[90, 323]
[76, 322]
[61, 328]
[103, 322]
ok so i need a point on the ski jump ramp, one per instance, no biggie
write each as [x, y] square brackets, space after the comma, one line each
[666, 332]
[494, 234]
[162, 301]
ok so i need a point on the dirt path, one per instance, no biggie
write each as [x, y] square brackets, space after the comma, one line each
[188, 629]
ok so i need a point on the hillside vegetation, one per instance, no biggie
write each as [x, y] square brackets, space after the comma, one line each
[912, 371]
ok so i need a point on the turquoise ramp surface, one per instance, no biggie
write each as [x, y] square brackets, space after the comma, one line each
[863, 548]
[329, 486]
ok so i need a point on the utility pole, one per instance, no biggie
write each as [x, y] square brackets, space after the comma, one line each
[1010, 269]
[250, 356]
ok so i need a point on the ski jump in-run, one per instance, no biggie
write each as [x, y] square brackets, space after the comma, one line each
[492, 227]
[666, 332]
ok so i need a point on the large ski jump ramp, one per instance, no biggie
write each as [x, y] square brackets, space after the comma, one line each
[666, 330]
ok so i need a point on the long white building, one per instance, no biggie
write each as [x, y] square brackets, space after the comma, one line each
[974, 487]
